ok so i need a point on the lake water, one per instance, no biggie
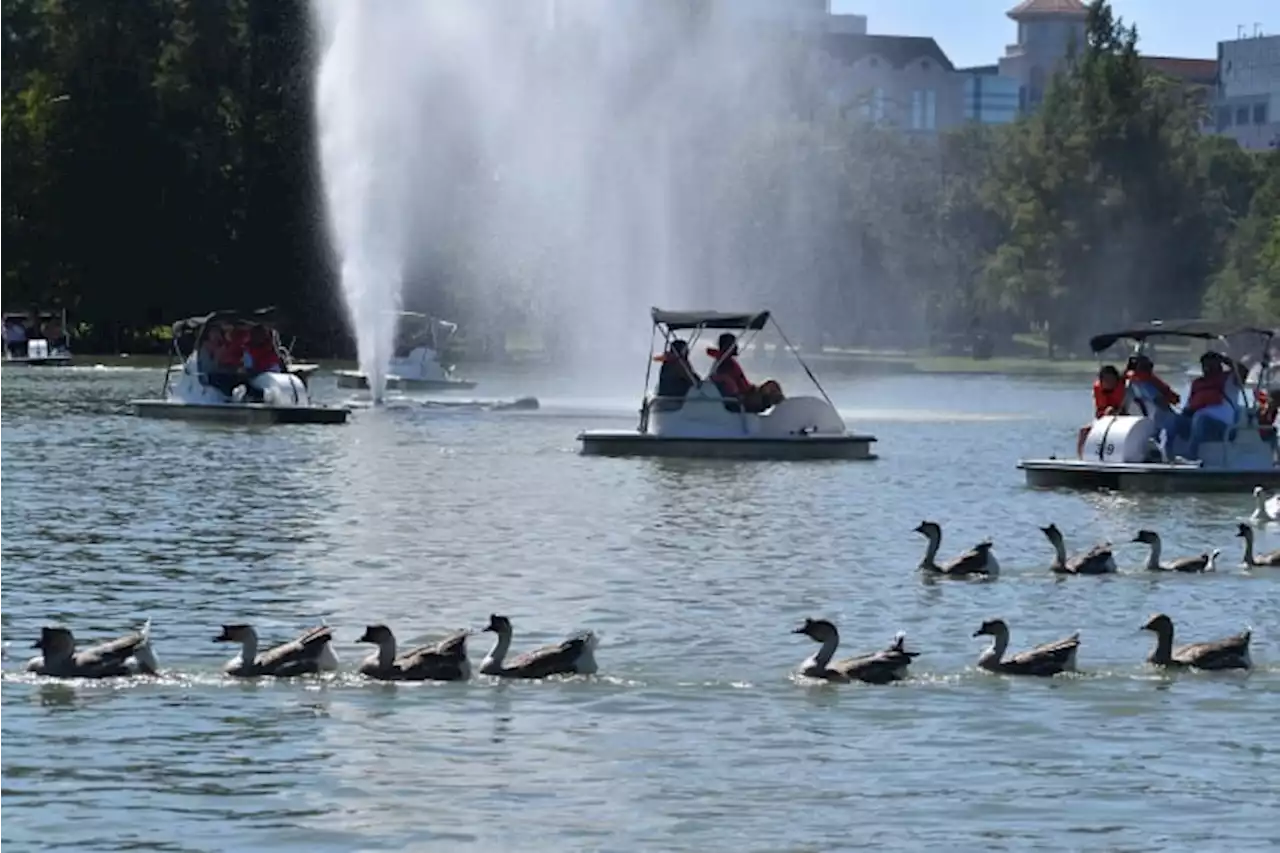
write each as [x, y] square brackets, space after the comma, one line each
[694, 737]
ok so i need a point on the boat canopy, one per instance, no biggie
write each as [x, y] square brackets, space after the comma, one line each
[1205, 330]
[677, 320]
[192, 325]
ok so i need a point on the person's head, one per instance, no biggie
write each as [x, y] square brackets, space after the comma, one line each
[214, 338]
[1142, 364]
[727, 344]
[679, 348]
[258, 334]
[1210, 363]
[1108, 376]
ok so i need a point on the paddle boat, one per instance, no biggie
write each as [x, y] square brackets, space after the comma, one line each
[43, 343]
[416, 365]
[193, 392]
[704, 423]
[1124, 452]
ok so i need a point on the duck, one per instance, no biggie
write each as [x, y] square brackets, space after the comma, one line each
[1044, 660]
[127, 655]
[1266, 508]
[311, 652]
[1098, 560]
[445, 660]
[1227, 653]
[1204, 563]
[1271, 558]
[574, 656]
[978, 561]
[882, 667]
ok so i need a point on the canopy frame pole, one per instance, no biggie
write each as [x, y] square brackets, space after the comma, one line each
[803, 363]
[648, 371]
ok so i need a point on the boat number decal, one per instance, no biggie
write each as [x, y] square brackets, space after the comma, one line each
[1111, 448]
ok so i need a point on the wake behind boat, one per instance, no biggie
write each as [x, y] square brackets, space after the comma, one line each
[416, 365]
[234, 370]
[1123, 451]
[722, 416]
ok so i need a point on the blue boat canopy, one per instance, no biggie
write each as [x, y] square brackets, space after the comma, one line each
[677, 320]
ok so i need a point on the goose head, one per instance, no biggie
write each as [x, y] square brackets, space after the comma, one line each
[1158, 624]
[56, 643]
[1150, 537]
[1052, 533]
[929, 529]
[376, 634]
[499, 625]
[236, 634]
[992, 628]
[1259, 492]
[818, 630]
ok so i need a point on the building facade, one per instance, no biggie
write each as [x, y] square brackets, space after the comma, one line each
[906, 82]
[1049, 31]
[989, 97]
[1246, 105]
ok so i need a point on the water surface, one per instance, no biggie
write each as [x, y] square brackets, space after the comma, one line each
[695, 737]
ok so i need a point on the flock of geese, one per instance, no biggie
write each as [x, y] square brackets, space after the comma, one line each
[447, 660]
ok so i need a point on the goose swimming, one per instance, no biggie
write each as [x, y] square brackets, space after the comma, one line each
[130, 654]
[1266, 508]
[1227, 653]
[445, 660]
[1203, 563]
[575, 655]
[311, 652]
[1272, 558]
[880, 667]
[978, 561]
[1045, 660]
[1096, 561]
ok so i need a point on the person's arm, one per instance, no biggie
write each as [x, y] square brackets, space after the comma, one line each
[1170, 396]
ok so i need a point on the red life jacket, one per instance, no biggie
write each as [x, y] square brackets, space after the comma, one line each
[264, 356]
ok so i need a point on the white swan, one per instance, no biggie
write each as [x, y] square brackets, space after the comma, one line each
[1265, 508]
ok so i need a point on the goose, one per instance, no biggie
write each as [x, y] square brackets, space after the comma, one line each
[1045, 660]
[1096, 561]
[1265, 508]
[1271, 558]
[1227, 653]
[1204, 563]
[575, 655]
[445, 660]
[880, 667]
[311, 652]
[130, 654]
[977, 561]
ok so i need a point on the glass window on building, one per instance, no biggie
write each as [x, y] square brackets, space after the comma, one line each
[1242, 115]
[917, 109]
[1260, 113]
[931, 110]
[1224, 118]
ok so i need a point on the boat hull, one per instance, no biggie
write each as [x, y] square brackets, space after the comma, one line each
[239, 413]
[631, 443]
[1143, 476]
[47, 361]
[348, 379]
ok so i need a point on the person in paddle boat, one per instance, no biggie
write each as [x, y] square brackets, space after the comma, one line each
[675, 377]
[1108, 399]
[1152, 394]
[732, 381]
[260, 356]
[1209, 412]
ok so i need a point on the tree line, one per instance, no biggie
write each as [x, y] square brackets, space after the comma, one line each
[160, 162]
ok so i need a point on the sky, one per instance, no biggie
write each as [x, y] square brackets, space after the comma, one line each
[974, 32]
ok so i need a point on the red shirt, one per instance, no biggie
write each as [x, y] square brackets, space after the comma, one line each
[1168, 394]
[1104, 399]
[264, 356]
[729, 376]
[1207, 391]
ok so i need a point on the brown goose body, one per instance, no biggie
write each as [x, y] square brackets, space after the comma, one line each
[574, 656]
[1228, 653]
[880, 667]
[1270, 559]
[307, 654]
[1045, 660]
[445, 660]
[1098, 560]
[127, 655]
[978, 561]
[1206, 562]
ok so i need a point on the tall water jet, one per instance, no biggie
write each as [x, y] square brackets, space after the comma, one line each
[363, 140]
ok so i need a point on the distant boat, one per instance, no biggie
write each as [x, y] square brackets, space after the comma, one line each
[416, 366]
[38, 348]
